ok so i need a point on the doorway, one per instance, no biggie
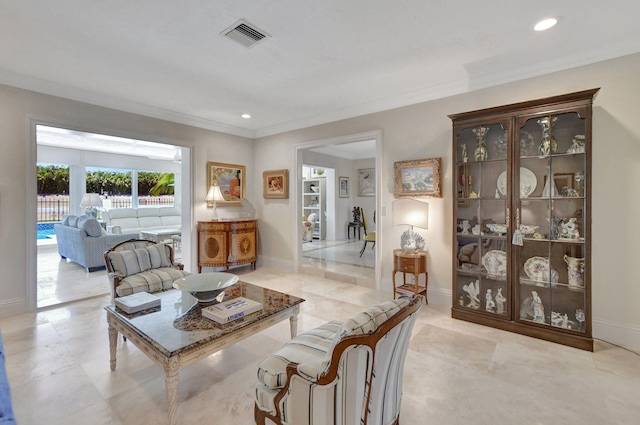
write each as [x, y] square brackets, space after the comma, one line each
[54, 280]
[338, 256]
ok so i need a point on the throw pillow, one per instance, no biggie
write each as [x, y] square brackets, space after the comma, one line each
[72, 221]
[89, 225]
[65, 220]
[125, 262]
[143, 259]
[159, 256]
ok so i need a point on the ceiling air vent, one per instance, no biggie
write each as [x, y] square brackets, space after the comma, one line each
[244, 33]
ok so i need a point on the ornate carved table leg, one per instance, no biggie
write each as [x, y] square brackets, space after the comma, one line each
[113, 345]
[293, 321]
[172, 371]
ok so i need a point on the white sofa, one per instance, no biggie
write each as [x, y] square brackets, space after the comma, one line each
[135, 220]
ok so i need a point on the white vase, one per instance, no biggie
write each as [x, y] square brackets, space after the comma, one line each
[575, 268]
[550, 188]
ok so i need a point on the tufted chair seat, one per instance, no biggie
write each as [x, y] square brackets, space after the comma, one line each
[340, 373]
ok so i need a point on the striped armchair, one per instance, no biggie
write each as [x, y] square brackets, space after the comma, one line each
[340, 373]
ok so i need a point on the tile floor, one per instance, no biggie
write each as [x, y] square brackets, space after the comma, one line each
[455, 373]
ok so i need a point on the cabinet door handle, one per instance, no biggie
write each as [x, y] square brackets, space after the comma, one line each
[517, 218]
[508, 217]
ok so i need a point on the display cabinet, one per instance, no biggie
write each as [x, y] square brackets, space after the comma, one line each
[522, 218]
[314, 202]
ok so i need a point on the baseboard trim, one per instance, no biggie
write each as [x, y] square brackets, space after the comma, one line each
[12, 307]
[622, 334]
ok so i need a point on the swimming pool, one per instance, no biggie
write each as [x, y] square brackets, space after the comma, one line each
[45, 230]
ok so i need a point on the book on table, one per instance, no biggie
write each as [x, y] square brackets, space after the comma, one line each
[230, 310]
[137, 302]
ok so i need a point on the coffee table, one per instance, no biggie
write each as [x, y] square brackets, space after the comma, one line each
[176, 335]
[159, 235]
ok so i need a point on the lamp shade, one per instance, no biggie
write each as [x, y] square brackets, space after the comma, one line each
[410, 212]
[214, 194]
[91, 200]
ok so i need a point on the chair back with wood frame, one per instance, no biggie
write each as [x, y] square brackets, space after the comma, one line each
[347, 373]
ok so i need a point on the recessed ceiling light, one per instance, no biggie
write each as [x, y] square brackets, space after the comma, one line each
[246, 116]
[545, 24]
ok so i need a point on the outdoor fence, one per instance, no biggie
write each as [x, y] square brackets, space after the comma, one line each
[53, 207]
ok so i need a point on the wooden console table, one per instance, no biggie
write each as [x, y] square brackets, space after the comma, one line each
[414, 263]
[226, 243]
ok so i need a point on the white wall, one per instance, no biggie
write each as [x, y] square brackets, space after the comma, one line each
[18, 110]
[413, 132]
[424, 131]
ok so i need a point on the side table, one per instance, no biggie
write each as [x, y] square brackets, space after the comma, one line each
[415, 263]
[355, 225]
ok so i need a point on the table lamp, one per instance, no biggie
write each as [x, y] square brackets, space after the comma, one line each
[412, 213]
[91, 202]
[214, 195]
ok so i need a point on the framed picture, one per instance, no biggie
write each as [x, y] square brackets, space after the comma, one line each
[232, 180]
[275, 184]
[422, 177]
[343, 187]
[561, 180]
[367, 182]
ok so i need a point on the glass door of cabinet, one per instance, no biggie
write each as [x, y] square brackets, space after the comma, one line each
[482, 227]
[550, 206]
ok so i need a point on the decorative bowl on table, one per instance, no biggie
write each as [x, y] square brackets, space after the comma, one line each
[206, 287]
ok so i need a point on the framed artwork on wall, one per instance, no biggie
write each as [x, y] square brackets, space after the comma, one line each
[275, 184]
[232, 180]
[422, 177]
[367, 182]
[343, 187]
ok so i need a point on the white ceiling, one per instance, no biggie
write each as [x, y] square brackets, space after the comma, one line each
[325, 60]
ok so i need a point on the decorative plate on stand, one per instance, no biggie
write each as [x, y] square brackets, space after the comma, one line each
[495, 261]
[537, 268]
[528, 182]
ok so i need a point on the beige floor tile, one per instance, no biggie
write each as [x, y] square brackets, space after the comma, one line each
[455, 372]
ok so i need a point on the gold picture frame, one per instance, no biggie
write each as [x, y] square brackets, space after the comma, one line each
[418, 178]
[275, 184]
[232, 181]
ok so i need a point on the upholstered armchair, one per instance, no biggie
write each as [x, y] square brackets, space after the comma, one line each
[140, 265]
[340, 373]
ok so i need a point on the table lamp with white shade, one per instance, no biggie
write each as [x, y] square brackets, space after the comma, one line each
[412, 213]
[214, 195]
[91, 202]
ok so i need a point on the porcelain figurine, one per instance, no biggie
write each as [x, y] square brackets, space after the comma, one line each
[501, 301]
[569, 230]
[481, 153]
[538, 308]
[466, 226]
[577, 144]
[548, 145]
[489, 304]
[473, 290]
[464, 153]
